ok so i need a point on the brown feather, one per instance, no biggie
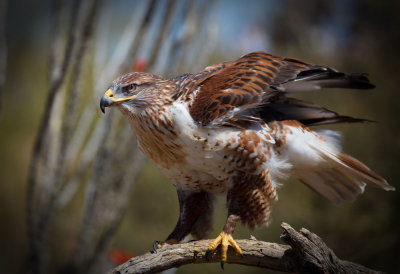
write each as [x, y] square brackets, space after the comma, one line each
[240, 83]
[371, 177]
[258, 79]
[251, 201]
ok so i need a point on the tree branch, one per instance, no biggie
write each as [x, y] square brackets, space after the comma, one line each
[306, 253]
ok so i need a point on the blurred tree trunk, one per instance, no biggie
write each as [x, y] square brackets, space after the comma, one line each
[77, 147]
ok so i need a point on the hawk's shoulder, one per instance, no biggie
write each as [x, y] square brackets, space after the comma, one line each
[219, 91]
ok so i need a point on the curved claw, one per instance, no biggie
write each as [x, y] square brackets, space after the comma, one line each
[156, 245]
[159, 244]
[225, 240]
[208, 251]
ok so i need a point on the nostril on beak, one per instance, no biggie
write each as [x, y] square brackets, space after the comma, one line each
[111, 95]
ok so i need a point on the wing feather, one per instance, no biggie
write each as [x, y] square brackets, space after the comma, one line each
[259, 81]
[239, 85]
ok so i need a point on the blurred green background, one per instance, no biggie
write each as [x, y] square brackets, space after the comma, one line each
[352, 36]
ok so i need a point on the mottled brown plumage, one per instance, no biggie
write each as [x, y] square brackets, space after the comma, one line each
[232, 130]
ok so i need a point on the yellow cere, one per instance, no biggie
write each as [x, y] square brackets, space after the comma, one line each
[110, 95]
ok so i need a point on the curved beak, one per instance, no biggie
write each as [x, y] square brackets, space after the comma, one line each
[106, 100]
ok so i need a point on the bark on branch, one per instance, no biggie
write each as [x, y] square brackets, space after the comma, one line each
[306, 253]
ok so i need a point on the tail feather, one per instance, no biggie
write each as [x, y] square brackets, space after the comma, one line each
[364, 172]
[332, 190]
[340, 177]
[333, 186]
[317, 161]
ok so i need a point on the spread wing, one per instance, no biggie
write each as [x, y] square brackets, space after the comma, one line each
[244, 87]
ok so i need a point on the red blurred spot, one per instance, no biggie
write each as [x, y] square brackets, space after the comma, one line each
[118, 256]
[140, 64]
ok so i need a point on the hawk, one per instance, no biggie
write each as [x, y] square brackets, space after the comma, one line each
[231, 130]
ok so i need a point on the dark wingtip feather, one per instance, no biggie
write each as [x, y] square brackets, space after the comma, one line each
[328, 78]
[335, 120]
[309, 114]
[359, 81]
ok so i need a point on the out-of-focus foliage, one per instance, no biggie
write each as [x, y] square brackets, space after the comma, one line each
[350, 35]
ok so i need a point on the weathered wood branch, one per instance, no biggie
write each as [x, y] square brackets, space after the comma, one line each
[306, 253]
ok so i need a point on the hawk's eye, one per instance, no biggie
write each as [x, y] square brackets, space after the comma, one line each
[131, 87]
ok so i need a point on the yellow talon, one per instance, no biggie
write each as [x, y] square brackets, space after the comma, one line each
[225, 240]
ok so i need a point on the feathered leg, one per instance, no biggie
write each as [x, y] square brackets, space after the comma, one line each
[195, 217]
[248, 201]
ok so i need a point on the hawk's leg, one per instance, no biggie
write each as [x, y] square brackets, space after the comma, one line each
[195, 217]
[248, 201]
[225, 239]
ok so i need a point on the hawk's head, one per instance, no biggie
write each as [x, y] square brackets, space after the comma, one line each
[135, 91]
